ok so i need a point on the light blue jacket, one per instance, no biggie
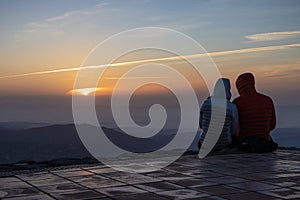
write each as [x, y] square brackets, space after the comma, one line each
[231, 121]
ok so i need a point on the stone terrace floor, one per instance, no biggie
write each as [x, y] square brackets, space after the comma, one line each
[233, 176]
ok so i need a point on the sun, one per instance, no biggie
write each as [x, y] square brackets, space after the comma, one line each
[84, 91]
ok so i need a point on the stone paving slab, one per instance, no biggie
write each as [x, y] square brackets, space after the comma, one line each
[232, 176]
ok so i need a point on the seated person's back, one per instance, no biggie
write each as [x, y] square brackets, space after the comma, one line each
[256, 111]
[231, 119]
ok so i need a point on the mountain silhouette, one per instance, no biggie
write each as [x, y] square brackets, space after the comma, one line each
[62, 141]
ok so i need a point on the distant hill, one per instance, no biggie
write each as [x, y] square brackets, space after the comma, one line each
[20, 125]
[39, 144]
[62, 141]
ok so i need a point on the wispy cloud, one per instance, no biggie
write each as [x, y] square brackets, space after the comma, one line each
[189, 23]
[173, 58]
[271, 36]
[56, 25]
[257, 49]
[283, 72]
[80, 12]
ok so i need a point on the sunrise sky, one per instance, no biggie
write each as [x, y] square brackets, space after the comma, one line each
[54, 37]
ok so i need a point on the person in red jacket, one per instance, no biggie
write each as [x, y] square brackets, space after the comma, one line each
[256, 116]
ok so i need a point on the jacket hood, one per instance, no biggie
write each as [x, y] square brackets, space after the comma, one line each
[221, 85]
[245, 82]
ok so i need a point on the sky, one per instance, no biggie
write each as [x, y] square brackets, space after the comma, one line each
[54, 37]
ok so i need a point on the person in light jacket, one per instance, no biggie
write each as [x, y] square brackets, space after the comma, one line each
[230, 125]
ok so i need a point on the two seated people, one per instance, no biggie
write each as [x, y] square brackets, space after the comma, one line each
[249, 118]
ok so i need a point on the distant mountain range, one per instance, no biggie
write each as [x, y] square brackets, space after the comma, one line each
[41, 142]
[15, 126]
[62, 141]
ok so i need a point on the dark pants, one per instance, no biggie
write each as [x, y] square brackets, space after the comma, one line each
[256, 144]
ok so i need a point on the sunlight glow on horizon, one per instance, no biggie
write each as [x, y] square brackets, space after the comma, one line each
[84, 91]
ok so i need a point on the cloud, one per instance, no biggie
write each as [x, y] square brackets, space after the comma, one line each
[281, 71]
[56, 25]
[271, 36]
[176, 22]
[80, 12]
[34, 28]
[252, 50]
[70, 14]
[173, 58]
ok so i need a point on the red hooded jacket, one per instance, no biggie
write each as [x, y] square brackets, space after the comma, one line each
[256, 111]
